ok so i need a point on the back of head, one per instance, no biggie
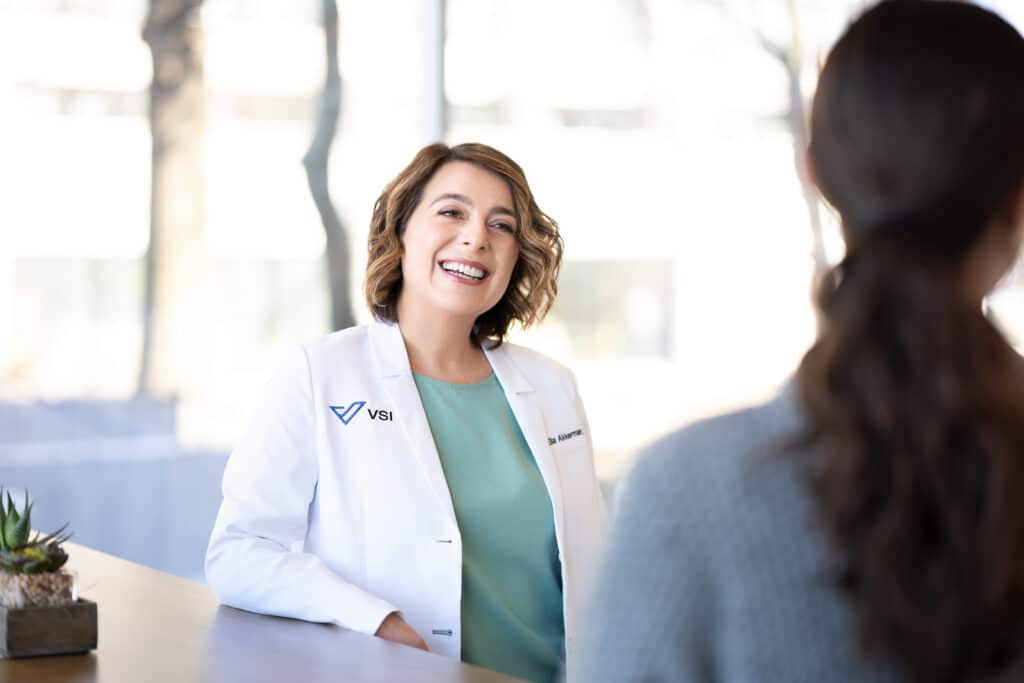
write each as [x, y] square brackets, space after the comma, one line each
[915, 400]
[916, 126]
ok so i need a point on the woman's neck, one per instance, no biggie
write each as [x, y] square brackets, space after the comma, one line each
[440, 347]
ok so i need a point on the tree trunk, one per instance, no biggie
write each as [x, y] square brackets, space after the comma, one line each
[316, 162]
[176, 259]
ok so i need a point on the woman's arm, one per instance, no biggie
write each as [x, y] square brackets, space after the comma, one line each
[254, 561]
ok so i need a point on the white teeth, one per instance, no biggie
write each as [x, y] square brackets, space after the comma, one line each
[463, 269]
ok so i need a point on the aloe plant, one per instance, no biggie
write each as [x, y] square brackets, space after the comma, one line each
[20, 554]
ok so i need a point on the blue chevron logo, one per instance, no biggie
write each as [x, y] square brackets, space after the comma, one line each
[346, 413]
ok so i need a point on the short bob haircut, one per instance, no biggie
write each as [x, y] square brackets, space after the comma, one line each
[534, 282]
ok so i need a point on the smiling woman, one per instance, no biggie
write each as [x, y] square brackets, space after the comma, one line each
[533, 282]
[419, 478]
[460, 248]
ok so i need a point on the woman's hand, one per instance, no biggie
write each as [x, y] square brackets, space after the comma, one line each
[395, 629]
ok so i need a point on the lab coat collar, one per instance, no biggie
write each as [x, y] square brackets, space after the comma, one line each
[400, 387]
[509, 374]
[394, 359]
[387, 341]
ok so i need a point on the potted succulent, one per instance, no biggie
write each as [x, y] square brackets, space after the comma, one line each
[30, 568]
[39, 611]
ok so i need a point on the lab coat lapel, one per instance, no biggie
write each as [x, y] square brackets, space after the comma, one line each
[522, 398]
[401, 390]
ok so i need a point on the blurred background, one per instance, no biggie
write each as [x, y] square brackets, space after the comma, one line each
[186, 186]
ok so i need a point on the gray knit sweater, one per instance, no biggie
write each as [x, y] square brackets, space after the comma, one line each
[717, 569]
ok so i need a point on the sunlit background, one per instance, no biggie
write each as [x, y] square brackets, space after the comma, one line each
[660, 134]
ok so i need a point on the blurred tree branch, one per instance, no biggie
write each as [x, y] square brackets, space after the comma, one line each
[790, 56]
[316, 162]
[176, 258]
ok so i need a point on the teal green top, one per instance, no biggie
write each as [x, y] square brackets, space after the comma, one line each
[511, 575]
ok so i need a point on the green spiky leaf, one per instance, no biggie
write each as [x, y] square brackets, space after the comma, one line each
[59, 536]
[10, 525]
[24, 526]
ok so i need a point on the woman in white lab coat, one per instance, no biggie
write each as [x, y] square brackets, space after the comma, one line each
[419, 478]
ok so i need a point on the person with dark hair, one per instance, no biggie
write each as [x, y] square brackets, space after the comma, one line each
[868, 523]
[419, 478]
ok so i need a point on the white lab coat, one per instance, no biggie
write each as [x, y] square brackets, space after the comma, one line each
[336, 508]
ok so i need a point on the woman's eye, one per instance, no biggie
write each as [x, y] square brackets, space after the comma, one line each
[450, 213]
[505, 227]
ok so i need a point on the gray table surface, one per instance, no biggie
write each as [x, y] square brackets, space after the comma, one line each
[156, 627]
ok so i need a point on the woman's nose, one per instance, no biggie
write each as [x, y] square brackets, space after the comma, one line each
[474, 234]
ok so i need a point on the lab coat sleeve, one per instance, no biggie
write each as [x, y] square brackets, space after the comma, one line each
[254, 560]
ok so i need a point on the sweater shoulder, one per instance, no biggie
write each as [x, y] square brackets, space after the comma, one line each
[718, 459]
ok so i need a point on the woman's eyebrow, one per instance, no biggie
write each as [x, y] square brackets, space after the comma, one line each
[453, 195]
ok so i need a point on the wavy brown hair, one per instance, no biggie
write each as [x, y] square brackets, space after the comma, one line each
[915, 400]
[534, 282]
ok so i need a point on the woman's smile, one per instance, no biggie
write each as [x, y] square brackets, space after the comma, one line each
[465, 272]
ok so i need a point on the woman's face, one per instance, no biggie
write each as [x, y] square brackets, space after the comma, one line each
[459, 244]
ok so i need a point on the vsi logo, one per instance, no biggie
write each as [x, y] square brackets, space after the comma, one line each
[346, 413]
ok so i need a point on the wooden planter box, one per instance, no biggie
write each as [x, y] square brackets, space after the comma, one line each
[35, 631]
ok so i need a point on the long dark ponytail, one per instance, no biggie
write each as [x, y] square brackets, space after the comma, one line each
[915, 400]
